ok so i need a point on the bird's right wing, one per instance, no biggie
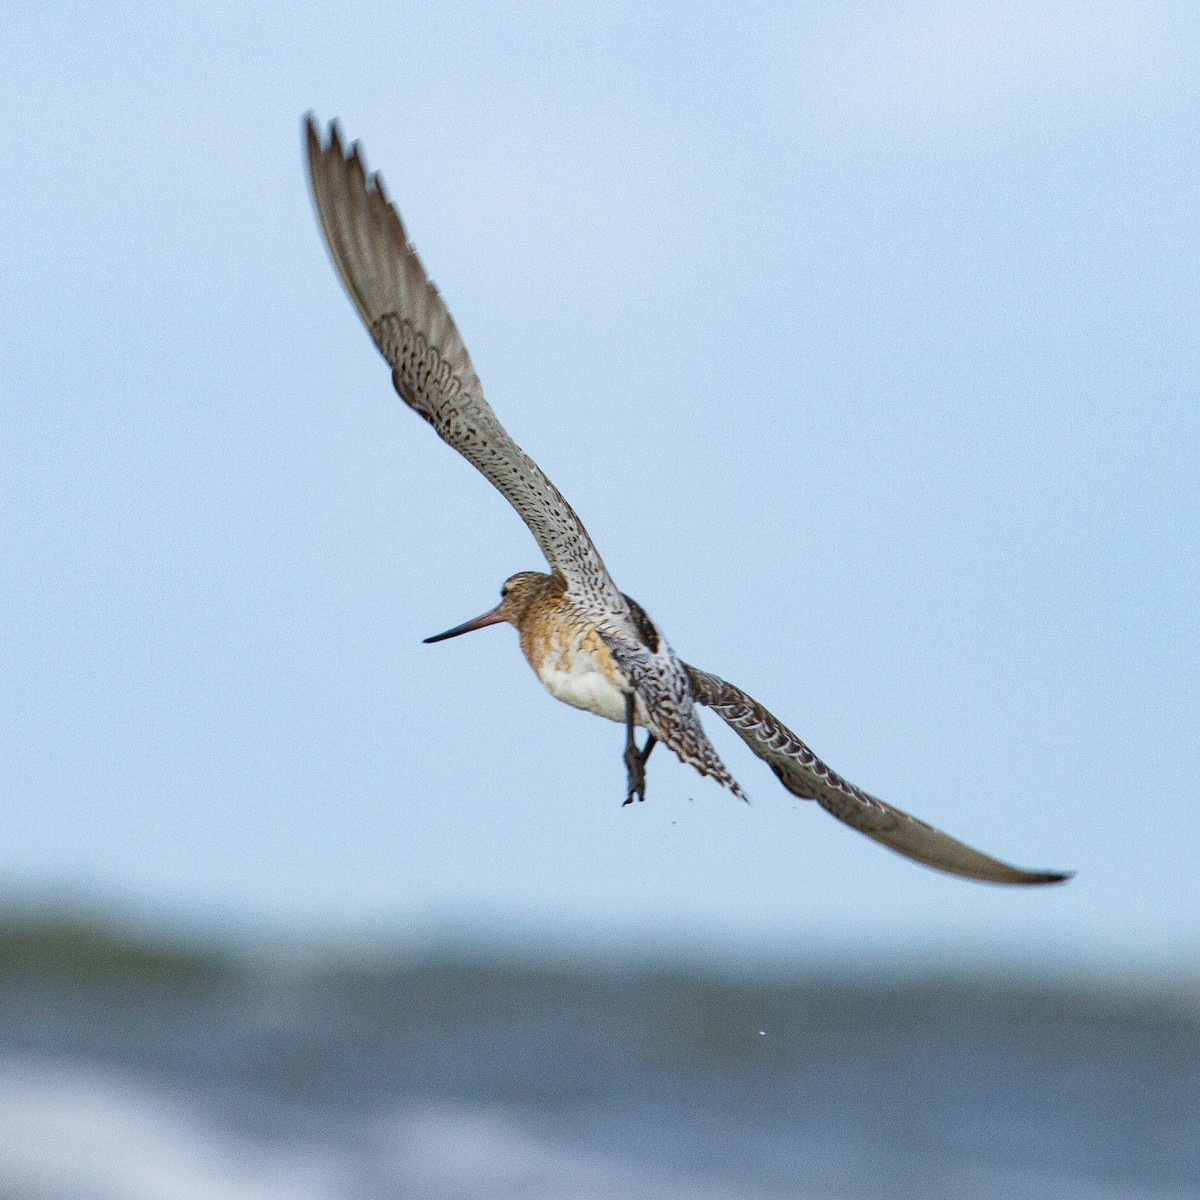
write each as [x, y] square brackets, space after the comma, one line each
[431, 369]
[660, 680]
[806, 776]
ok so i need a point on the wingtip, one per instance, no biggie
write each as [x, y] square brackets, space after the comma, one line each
[312, 129]
[335, 137]
[1013, 875]
[1056, 876]
[317, 147]
[312, 132]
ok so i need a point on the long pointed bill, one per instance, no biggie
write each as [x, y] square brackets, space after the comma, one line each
[489, 618]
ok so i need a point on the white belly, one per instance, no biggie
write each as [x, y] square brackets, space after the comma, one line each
[577, 679]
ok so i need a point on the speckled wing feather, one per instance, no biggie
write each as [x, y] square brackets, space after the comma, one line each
[661, 681]
[432, 371]
[806, 776]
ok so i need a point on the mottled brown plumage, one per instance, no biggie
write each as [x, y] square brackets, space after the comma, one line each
[806, 776]
[591, 646]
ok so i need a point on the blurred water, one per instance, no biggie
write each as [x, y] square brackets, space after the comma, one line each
[460, 1080]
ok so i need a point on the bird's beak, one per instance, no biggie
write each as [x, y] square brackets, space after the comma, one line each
[489, 618]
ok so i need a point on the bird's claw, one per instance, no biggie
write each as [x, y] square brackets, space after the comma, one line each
[635, 759]
[635, 764]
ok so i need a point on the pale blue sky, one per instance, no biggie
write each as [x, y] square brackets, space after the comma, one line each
[865, 343]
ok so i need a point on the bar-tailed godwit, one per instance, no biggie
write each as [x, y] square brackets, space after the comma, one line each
[592, 646]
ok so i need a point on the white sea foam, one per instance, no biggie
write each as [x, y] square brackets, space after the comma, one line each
[68, 1132]
[452, 1153]
[72, 1132]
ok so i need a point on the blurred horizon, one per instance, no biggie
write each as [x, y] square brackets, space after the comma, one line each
[44, 925]
[134, 1068]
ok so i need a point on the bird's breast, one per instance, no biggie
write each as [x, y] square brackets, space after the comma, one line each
[577, 668]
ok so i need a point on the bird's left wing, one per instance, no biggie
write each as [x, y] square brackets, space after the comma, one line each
[806, 776]
[431, 369]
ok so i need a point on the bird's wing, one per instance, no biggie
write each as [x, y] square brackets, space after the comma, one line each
[431, 369]
[806, 776]
[660, 681]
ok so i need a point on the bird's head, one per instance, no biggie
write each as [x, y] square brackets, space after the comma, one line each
[518, 595]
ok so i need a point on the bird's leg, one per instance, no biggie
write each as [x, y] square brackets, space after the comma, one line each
[651, 742]
[635, 759]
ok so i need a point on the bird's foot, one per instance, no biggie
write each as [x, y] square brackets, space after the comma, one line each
[635, 759]
[635, 765]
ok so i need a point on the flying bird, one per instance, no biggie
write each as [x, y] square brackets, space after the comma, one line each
[592, 646]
